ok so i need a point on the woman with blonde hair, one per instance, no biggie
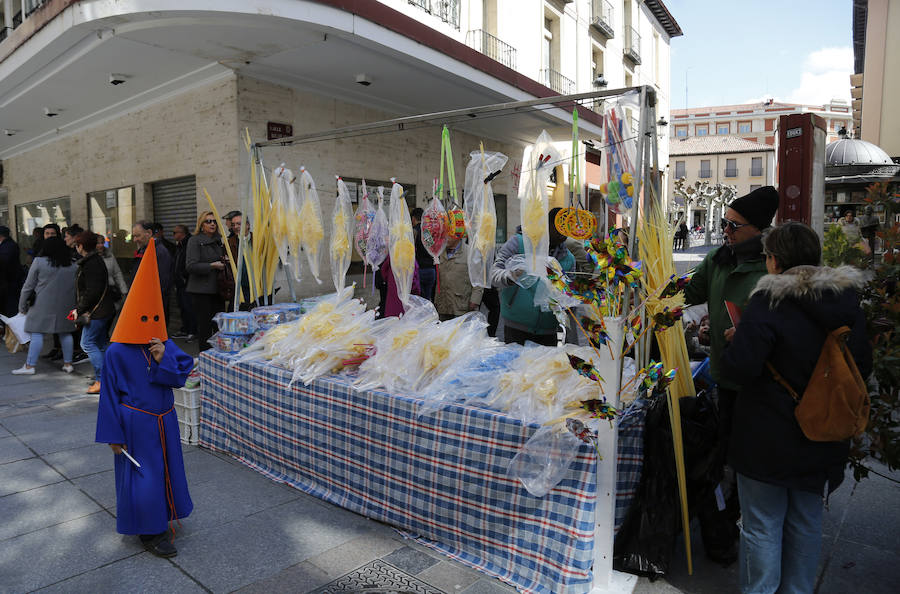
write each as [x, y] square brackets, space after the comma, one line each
[204, 259]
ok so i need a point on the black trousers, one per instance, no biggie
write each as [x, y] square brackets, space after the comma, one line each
[205, 307]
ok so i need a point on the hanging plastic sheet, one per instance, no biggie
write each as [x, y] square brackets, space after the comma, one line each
[402, 248]
[620, 144]
[541, 159]
[286, 220]
[341, 232]
[312, 235]
[379, 236]
[363, 219]
[481, 214]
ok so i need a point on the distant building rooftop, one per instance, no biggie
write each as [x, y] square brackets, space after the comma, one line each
[714, 145]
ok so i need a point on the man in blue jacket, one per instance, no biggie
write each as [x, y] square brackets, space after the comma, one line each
[522, 319]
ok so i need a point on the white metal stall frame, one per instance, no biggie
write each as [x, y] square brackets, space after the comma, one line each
[605, 579]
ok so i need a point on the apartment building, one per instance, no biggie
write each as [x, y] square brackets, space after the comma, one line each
[116, 111]
[755, 122]
[729, 160]
[875, 84]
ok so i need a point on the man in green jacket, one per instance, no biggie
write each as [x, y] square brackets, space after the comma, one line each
[729, 273]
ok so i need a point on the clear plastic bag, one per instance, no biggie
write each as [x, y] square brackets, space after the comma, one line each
[544, 459]
[286, 220]
[312, 234]
[540, 158]
[341, 232]
[379, 235]
[402, 248]
[481, 214]
[435, 229]
[619, 166]
[363, 219]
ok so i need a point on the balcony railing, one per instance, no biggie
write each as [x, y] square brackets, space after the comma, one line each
[602, 17]
[632, 45]
[446, 10]
[557, 82]
[705, 173]
[482, 41]
[756, 171]
[733, 172]
[16, 12]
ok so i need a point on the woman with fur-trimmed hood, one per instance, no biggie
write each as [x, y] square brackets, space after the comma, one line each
[783, 477]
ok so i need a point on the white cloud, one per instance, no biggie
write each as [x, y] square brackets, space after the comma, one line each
[826, 76]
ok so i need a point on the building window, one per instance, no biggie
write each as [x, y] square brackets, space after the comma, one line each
[705, 170]
[679, 169]
[744, 127]
[755, 187]
[111, 213]
[701, 130]
[730, 167]
[37, 214]
[756, 166]
[723, 129]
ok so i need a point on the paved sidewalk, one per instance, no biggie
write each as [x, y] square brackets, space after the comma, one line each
[249, 534]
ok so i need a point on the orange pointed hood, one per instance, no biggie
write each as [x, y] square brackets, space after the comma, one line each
[142, 316]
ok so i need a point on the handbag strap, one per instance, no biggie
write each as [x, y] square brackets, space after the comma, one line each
[780, 379]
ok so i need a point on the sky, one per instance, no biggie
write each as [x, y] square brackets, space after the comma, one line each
[797, 51]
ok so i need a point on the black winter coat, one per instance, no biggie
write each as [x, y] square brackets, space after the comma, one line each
[786, 322]
[92, 288]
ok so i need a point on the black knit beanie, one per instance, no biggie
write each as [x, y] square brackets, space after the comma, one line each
[758, 207]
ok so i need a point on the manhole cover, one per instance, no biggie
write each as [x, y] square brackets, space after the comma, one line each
[378, 577]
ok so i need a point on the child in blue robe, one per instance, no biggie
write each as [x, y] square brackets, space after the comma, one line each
[136, 414]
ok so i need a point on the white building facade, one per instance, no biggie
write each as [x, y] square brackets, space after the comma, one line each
[115, 111]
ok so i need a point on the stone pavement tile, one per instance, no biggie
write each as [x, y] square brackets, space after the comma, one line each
[140, 573]
[660, 586]
[89, 459]
[488, 585]
[871, 516]
[449, 576]
[838, 505]
[42, 507]
[357, 552]
[4, 433]
[201, 466]
[101, 487]
[11, 449]
[855, 567]
[231, 556]
[302, 577]
[234, 495]
[41, 558]
[708, 577]
[410, 560]
[26, 474]
[54, 430]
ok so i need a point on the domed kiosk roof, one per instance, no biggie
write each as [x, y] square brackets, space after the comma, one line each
[851, 160]
[853, 151]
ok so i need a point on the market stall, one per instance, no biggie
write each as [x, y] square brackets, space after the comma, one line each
[440, 478]
[505, 459]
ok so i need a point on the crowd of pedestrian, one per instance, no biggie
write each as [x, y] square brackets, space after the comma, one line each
[73, 287]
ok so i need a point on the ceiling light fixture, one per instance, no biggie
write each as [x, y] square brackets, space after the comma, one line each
[364, 79]
[51, 112]
[10, 132]
[117, 79]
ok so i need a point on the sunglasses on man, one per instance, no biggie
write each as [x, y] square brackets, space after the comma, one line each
[728, 223]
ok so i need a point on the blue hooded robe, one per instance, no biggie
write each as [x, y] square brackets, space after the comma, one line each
[132, 379]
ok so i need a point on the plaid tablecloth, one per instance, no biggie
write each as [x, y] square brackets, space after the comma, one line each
[441, 478]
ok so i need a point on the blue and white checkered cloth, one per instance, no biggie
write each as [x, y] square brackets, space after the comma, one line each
[440, 478]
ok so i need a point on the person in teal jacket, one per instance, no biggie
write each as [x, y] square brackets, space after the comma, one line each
[729, 273]
[522, 319]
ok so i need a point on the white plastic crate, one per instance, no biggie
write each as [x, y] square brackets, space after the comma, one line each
[187, 406]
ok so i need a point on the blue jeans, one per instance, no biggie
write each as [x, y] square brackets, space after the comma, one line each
[94, 341]
[781, 536]
[37, 345]
[427, 280]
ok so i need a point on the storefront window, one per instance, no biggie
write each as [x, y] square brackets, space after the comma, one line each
[111, 214]
[37, 214]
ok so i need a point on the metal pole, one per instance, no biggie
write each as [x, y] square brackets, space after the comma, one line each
[442, 117]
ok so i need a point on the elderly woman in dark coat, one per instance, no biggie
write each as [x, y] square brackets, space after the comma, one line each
[51, 279]
[96, 306]
[783, 477]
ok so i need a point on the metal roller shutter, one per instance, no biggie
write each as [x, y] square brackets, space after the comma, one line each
[175, 203]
